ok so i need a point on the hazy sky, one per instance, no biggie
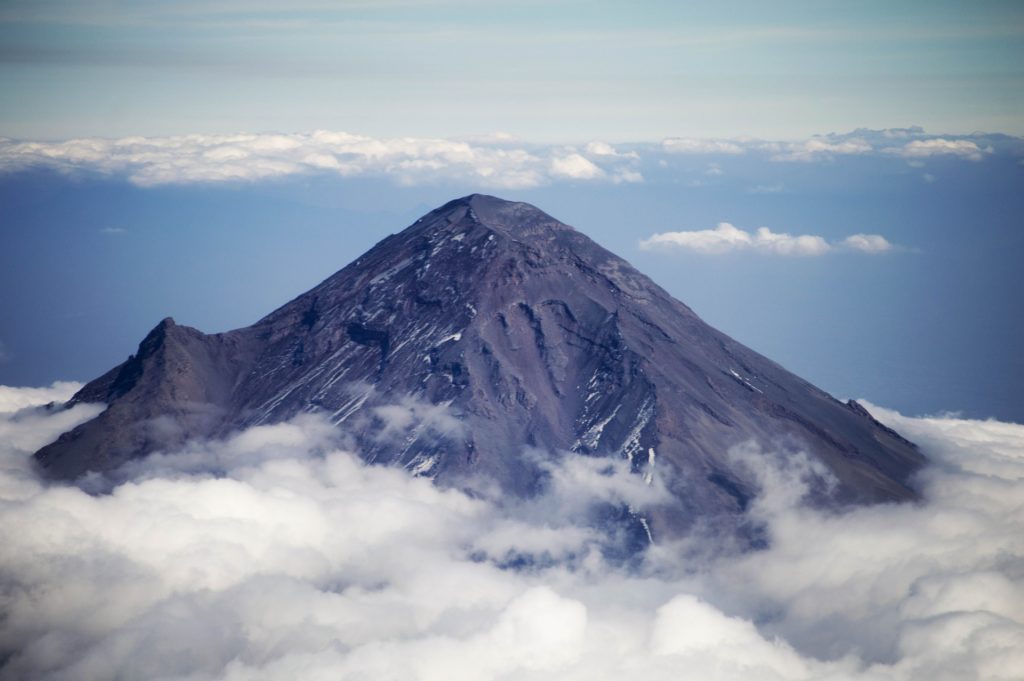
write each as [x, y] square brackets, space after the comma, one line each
[552, 70]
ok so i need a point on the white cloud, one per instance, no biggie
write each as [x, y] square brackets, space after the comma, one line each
[411, 416]
[576, 167]
[620, 166]
[721, 239]
[299, 561]
[867, 243]
[494, 161]
[919, 149]
[497, 160]
[15, 399]
[598, 148]
[787, 244]
[821, 148]
[726, 238]
[689, 145]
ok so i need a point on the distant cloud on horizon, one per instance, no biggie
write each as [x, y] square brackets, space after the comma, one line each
[919, 149]
[727, 238]
[497, 160]
[683, 145]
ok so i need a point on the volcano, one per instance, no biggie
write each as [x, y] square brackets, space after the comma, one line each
[484, 330]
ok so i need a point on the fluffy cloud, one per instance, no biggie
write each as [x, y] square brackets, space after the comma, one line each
[920, 149]
[726, 238]
[296, 560]
[15, 399]
[576, 167]
[867, 243]
[598, 148]
[492, 161]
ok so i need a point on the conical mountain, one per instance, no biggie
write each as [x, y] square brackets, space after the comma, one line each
[484, 328]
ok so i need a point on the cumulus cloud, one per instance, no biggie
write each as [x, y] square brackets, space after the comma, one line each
[599, 148]
[496, 160]
[927, 148]
[726, 238]
[576, 167]
[297, 560]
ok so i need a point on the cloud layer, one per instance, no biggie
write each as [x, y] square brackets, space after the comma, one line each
[726, 238]
[498, 160]
[299, 561]
[495, 161]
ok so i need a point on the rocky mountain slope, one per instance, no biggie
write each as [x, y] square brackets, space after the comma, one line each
[485, 328]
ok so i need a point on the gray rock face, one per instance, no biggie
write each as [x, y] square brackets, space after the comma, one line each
[485, 327]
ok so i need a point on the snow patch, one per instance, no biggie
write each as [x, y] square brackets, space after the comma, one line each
[387, 274]
[592, 437]
[647, 529]
[649, 473]
[631, 445]
[456, 337]
[745, 381]
[420, 466]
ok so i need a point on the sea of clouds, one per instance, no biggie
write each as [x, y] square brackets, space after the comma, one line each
[297, 561]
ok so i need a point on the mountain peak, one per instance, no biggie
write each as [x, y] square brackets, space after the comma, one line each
[515, 219]
[485, 328]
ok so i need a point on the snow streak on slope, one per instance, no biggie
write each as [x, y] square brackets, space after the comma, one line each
[274, 554]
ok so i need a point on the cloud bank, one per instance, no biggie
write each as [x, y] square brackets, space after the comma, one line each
[16, 399]
[726, 238]
[919, 149]
[494, 161]
[498, 160]
[299, 561]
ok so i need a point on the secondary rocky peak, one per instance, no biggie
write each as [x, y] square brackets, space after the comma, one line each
[484, 328]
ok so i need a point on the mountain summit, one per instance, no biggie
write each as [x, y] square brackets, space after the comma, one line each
[485, 328]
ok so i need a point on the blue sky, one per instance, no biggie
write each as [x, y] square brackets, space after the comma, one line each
[211, 161]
